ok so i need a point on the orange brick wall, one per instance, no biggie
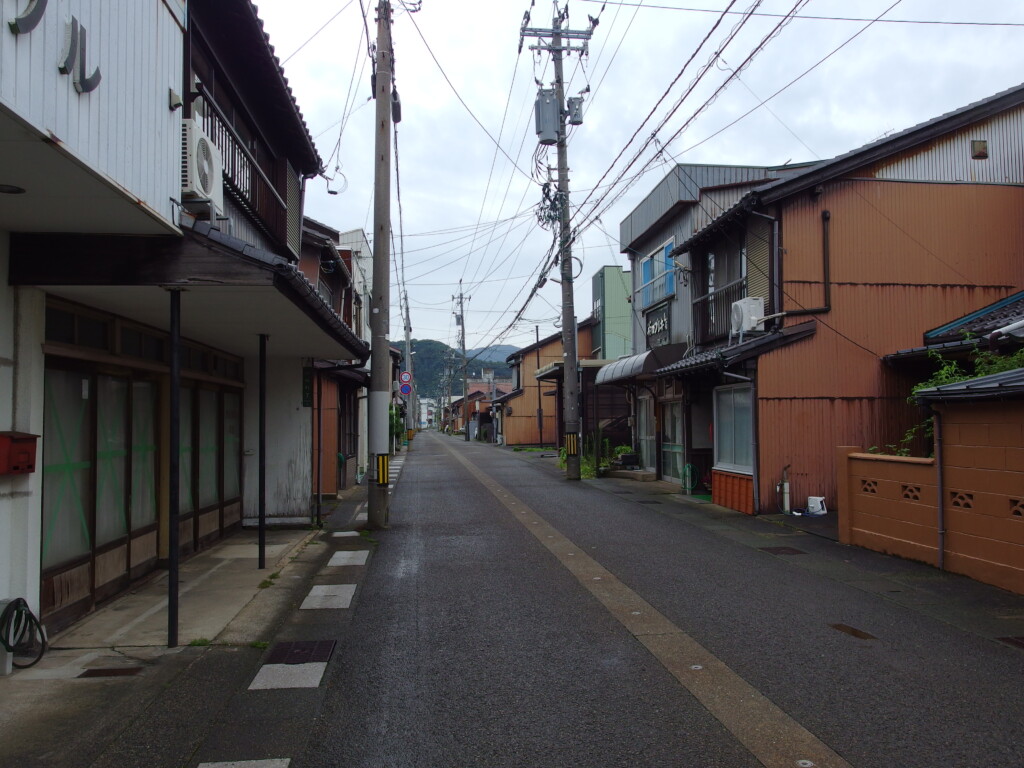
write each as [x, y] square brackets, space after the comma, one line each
[733, 491]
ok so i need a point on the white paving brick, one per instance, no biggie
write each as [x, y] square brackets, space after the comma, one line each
[345, 534]
[288, 676]
[329, 596]
[356, 557]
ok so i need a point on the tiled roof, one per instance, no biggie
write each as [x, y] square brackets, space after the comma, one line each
[1008, 384]
[980, 323]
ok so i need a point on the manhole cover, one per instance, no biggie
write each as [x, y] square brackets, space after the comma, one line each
[111, 672]
[782, 550]
[853, 631]
[1017, 641]
[303, 652]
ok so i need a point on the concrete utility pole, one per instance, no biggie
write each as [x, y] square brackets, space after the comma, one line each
[411, 422]
[380, 299]
[465, 365]
[570, 369]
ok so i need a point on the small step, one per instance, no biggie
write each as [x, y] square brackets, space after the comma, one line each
[642, 475]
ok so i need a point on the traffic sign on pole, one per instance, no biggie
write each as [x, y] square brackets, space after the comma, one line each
[405, 377]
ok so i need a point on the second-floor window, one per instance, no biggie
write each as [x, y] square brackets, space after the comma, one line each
[657, 276]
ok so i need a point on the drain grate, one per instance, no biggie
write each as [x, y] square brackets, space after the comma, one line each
[1015, 641]
[111, 672]
[648, 502]
[623, 493]
[301, 652]
[853, 631]
[782, 550]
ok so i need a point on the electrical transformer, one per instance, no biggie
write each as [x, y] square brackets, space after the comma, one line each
[574, 106]
[546, 111]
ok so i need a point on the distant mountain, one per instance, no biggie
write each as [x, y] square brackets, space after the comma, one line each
[497, 353]
[434, 358]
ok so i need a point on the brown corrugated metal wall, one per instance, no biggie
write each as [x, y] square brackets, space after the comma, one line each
[905, 258]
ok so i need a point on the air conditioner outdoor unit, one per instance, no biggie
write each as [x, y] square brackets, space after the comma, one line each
[200, 167]
[748, 314]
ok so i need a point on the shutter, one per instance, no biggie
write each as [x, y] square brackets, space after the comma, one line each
[758, 267]
[294, 202]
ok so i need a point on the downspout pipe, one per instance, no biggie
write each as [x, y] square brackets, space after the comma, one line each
[826, 271]
[940, 487]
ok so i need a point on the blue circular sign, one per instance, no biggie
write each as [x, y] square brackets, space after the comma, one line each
[405, 389]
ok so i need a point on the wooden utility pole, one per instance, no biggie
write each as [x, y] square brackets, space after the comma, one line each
[380, 299]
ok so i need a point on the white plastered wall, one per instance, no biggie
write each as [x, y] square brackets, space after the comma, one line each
[289, 443]
[22, 322]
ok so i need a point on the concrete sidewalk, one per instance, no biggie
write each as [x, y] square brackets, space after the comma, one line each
[108, 666]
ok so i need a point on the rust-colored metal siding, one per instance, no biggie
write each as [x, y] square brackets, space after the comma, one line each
[904, 258]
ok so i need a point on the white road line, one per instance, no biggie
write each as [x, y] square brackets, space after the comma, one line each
[345, 534]
[357, 557]
[329, 596]
[272, 676]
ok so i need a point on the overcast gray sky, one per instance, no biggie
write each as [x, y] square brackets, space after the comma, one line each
[468, 212]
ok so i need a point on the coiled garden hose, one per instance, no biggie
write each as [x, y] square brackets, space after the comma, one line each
[21, 634]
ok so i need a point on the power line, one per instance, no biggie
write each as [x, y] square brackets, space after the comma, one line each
[717, 92]
[463, 102]
[321, 29]
[922, 22]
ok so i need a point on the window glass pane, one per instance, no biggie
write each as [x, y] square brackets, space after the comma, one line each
[734, 429]
[93, 333]
[66, 467]
[724, 427]
[60, 326]
[143, 504]
[111, 458]
[185, 502]
[208, 448]
[232, 445]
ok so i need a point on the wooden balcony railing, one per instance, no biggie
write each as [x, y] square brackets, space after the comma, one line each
[243, 175]
[712, 313]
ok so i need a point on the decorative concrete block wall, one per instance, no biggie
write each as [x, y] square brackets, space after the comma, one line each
[891, 503]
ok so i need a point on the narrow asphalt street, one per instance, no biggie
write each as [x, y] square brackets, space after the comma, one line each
[511, 618]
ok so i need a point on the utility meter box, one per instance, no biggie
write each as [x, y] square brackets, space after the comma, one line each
[546, 111]
[17, 453]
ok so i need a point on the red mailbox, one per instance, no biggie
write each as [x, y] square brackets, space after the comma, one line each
[17, 453]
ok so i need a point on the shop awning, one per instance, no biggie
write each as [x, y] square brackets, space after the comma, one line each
[641, 366]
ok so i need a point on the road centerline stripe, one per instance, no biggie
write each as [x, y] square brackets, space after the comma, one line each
[771, 735]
